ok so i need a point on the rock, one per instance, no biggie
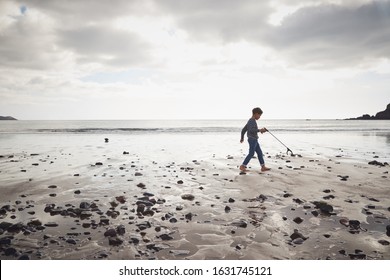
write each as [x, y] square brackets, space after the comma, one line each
[10, 251]
[180, 182]
[106, 140]
[188, 197]
[121, 230]
[231, 200]
[110, 233]
[52, 187]
[377, 163]
[85, 214]
[240, 223]
[298, 241]
[227, 209]
[141, 185]
[5, 225]
[189, 216]
[384, 242]
[358, 256]
[324, 207]
[141, 208]
[71, 241]
[344, 222]
[165, 237]
[15, 228]
[121, 199]
[51, 224]
[354, 224]
[24, 257]
[85, 205]
[115, 241]
[297, 235]
[98, 163]
[6, 240]
[138, 174]
[298, 220]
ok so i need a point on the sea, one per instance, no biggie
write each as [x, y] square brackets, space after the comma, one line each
[350, 140]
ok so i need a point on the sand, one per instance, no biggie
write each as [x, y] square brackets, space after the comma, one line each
[111, 201]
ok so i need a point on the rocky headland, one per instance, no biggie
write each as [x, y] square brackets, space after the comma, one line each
[7, 118]
[383, 115]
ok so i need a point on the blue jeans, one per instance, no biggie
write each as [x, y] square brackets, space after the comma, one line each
[254, 146]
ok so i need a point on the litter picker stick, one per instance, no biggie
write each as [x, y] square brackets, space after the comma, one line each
[288, 149]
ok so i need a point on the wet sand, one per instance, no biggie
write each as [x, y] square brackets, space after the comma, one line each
[111, 202]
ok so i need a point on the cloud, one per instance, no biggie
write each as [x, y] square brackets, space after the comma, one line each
[104, 45]
[333, 35]
[218, 20]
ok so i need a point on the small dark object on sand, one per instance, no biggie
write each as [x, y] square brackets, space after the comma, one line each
[106, 140]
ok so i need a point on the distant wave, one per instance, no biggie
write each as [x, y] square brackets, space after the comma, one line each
[199, 130]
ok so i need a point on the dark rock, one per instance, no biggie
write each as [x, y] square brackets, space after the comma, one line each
[358, 256]
[10, 252]
[115, 241]
[6, 240]
[85, 214]
[324, 207]
[24, 257]
[354, 224]
[231, 200]
[121, 199]
[121, 230]
[189, 216]
[165, 237]
[71, 241]
[51, 224]
[141, 185]
[180, 182]
[52, 187]
[327, 235]
[227, 209]
[138, 174]
[15, 228]
[297, 200]
[110, 233]
[5, 225]
[85, 205]
[99, 163]
[384, 242]
[377, 163]
[106, 140]
[188, 197]
[298, 220]
[297, 235]
[7, 118]
[77, 192]
[49, 208]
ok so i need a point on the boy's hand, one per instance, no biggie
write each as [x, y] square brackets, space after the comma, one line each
[263, 130]
[242, 140]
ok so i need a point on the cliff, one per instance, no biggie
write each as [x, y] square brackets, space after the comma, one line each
[383, 115]
[8, 118]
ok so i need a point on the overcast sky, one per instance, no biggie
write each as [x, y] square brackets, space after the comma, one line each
[191, 59]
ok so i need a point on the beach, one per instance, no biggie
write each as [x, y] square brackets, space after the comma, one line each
[182, 196]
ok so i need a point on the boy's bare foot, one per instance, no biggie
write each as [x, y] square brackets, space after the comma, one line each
[263, 168]
[243, 168]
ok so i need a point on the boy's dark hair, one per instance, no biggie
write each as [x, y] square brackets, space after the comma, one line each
[257, 110]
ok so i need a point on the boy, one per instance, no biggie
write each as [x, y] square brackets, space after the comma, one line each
[254, 146]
